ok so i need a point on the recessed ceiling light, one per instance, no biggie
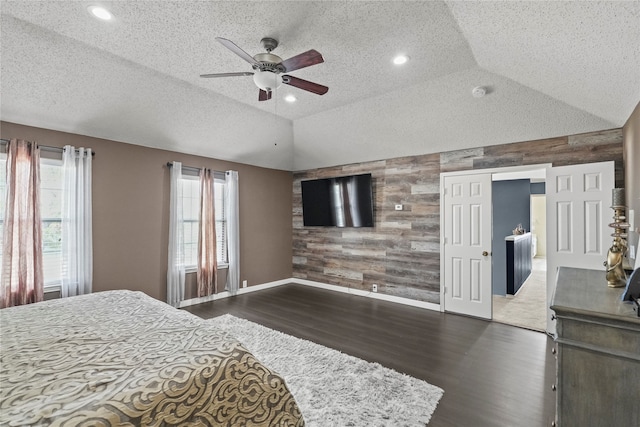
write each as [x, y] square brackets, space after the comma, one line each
[100, 12]
[400, 59]
[290, 98]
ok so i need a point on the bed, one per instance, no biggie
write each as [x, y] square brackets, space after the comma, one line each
[124, 358]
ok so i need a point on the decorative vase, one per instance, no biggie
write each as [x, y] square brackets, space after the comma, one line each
[615, 274]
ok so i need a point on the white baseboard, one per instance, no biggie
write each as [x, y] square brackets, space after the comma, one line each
[335, 288]
[226, 294]
[375, 295]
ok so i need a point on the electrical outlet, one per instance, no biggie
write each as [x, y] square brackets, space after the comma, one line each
[374, 288]
[244, 283]
[398, 207]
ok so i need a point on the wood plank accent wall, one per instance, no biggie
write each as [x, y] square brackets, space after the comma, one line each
[401, 253]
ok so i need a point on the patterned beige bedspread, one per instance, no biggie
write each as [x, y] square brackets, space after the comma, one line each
[123, 358]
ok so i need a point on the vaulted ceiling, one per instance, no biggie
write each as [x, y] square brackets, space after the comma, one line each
[550, 69]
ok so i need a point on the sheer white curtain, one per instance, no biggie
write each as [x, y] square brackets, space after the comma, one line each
[233, 232]
[77, 234]
[175, 267]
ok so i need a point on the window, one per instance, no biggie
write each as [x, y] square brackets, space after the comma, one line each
[190, 196]
[219, 187]
[50, 213]
[190, 192]
[51, 176]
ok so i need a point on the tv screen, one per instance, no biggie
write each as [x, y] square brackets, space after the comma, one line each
[345, 201]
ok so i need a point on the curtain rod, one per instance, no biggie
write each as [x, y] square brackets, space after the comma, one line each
[195, 169]
[46, 147]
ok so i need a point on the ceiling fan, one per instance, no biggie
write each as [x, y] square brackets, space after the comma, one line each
[268, 68]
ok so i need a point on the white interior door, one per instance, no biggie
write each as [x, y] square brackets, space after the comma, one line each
[467, 244]
[578, 214]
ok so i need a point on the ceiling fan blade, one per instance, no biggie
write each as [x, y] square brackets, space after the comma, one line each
[305, 59]
[305, 85]
[235, 49]
[264, 95]
[242, 73]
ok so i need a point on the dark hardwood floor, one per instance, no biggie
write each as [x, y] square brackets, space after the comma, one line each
[492, 374]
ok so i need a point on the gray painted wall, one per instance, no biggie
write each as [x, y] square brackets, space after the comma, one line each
[538, 188]
[511, 201]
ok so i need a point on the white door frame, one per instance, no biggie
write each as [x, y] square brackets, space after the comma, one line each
[506, 169]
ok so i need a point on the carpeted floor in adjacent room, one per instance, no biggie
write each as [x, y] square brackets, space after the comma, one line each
[528, 308]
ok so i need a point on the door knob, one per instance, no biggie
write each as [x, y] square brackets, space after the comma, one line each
[485, 253]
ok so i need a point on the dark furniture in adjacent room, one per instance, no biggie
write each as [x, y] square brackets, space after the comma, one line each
[518, 261]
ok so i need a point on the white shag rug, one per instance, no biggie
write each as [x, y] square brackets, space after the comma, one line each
[333, 388]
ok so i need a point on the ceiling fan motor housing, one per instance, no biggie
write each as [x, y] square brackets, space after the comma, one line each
[269, 62]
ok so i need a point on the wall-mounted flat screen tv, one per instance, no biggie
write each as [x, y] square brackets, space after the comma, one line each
[345, 201]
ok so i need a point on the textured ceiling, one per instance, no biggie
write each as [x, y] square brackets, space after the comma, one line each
[552, 68]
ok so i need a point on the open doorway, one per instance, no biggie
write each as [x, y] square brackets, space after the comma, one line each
[520, 290]
[466, 240]
[575, 194]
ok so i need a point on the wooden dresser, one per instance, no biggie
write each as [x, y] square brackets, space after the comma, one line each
[598, 352]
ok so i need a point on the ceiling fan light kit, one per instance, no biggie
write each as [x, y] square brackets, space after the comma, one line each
[267, 80]
[268, 68]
